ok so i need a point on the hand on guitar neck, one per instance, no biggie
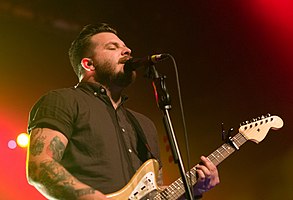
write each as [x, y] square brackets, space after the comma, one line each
[208, 176]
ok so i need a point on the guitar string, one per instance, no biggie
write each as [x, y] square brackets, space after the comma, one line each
[221, 153]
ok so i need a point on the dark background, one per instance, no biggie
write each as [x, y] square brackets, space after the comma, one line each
[234, 60]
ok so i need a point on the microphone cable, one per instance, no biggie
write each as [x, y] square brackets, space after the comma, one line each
[183, 121]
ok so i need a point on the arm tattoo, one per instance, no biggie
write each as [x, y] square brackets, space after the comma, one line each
[57, 148]
[37, 145]
[32, 168]
[59, 183]
[84, 191]
[56, 180]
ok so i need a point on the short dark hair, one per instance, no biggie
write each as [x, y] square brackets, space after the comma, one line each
[81, 46]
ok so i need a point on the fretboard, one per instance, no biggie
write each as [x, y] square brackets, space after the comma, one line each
[176, 189]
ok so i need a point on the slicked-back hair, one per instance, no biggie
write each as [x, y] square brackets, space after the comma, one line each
[81, 46]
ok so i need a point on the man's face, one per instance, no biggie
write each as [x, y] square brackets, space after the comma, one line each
[109, 56]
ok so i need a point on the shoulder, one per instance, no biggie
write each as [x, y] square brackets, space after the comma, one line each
[57, 95]
[54, 101]
[61, 92]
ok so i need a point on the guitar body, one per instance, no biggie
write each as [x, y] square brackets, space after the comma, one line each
[142, 185]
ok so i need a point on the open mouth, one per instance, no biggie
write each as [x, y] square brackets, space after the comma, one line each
[124, 59]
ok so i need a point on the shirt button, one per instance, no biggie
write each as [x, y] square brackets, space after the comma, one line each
[130, 151]
[95, 93]
[102, 90]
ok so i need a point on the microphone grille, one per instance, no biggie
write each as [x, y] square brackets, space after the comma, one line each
[158, 57]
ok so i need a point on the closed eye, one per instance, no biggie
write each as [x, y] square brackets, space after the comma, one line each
[112, 46]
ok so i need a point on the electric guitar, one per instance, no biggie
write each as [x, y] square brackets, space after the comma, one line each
[143, 185]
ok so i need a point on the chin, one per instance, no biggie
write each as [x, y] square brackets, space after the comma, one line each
[126, 79]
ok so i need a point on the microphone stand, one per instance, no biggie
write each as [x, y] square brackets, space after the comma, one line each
[164, 103]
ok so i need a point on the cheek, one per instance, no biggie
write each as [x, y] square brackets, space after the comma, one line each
[109, 59]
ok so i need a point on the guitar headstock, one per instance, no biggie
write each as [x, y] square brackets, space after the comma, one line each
[257, 129]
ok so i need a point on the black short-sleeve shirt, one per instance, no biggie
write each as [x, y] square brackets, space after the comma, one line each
[104, 148]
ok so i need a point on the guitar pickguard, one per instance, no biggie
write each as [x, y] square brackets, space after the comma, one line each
[144, 188]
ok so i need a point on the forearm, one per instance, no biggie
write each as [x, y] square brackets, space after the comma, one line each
[46, 173]
[55, 182]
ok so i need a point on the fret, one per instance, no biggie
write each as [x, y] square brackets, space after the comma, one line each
[178, 186]
[235, 139]
[193, 175]
[165, 194]
[228, 149]
[171, 192]
[219, 153]
[240, 139]
[224, 151]
[212, 154]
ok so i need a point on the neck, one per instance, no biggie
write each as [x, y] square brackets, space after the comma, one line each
[114, 94]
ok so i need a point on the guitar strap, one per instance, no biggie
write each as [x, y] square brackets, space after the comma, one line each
[144, 153]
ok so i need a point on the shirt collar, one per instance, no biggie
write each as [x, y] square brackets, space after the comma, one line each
[97, 90]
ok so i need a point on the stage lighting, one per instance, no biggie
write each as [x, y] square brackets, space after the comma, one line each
[22, 140]
[12, 144]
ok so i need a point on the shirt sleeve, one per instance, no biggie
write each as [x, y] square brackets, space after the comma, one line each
[54, 110]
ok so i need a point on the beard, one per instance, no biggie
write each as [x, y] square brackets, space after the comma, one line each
[106, 75]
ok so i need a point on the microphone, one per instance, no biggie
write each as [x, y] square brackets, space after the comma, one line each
[134, 63]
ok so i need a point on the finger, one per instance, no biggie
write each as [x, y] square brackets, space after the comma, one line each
[208, 163]
[203, 169]
[201, 175]
[210, 171]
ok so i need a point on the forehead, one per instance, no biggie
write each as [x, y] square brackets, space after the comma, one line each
[105, 38]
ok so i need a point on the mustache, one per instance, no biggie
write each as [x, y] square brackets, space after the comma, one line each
[124, 59]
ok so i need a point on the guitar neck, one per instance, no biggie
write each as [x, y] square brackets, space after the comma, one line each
[176, 189]
[227, 149]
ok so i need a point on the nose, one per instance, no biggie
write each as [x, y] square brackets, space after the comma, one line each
[126, 51]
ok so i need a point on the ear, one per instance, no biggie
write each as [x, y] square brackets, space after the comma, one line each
[87, 64]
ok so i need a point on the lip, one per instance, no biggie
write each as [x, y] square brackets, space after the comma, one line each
[124, 59]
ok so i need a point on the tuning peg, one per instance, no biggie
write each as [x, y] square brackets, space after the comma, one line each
[223, 134]
[253, 120]
[268, 115]
[242, 123]
[226, 136]
[230, 131]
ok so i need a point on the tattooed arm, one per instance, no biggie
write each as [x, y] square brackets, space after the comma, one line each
[47, 175]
